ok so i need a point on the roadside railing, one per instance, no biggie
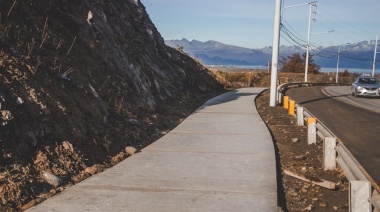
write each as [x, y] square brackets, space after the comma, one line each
[281, 89]
[364, 193]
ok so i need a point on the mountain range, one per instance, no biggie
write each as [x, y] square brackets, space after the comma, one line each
[355, 55]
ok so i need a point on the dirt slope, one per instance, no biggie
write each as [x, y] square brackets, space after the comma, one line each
[295, 155]
[80, 81]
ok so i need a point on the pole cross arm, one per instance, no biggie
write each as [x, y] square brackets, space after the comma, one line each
[297, 5]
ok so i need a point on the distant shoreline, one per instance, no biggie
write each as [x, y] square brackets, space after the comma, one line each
[247, 68]
[237, 68]
[350, 70]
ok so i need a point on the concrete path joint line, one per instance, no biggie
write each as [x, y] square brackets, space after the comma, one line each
[198, 152]
[144, 189]
[210, 133]
[225, 113]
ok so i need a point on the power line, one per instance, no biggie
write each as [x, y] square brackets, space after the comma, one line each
[360, 62]
[318, 51]
[348, 27]
[343, 21]
[301, 41]
[325, 56]
[288, 25]
[296, 34]
[293, 37]
[338, 27]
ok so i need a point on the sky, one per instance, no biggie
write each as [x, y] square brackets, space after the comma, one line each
[249, 23]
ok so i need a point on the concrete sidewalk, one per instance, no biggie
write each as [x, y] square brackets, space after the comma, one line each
[221, 158]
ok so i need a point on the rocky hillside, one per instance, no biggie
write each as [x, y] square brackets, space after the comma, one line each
[79, 82]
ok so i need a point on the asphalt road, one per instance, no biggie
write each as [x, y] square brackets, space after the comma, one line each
[342, 93]
[357, 128]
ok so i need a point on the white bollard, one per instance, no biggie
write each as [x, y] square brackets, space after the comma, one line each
[360, 195]
[311, 131]
[375, 201]
[329, 154]
[300, 118]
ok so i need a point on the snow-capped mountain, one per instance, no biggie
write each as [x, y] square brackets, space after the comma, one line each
[356, 55]
[212, 51]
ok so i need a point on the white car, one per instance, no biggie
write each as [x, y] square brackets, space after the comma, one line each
[365, 86]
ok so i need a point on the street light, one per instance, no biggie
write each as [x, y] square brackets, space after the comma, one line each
[275, 50]
[308, 44]
[297, 6]
[276, 44]
[374, 57]
[337, 65]
[314, 33]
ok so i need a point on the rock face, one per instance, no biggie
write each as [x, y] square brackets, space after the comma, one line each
[82, 69]
[85, 61]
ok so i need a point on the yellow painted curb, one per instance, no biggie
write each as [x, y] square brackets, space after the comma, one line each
[311, 120]
[286, 102]
[291, 107]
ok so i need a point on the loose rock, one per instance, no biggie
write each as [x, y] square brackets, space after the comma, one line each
[309, 208]
[31, 204]
[116, 159]
[19, 101]
[92, 170]
[130, 150]
[133, 121]
[68, 146]
[52, 179]
[300, 157]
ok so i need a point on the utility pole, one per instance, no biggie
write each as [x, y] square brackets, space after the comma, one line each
[308, 39]
[308, 44]
[374, 57]
[337, 66]
[275, 50]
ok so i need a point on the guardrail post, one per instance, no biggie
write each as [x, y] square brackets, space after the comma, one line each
[360, 195]
[286, 102]
[291, 107]
[311, 131]
[329, 154]
[300, 118]
[376, 201]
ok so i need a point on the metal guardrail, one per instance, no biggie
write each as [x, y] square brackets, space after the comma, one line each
[351, 167]
[283, 87]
